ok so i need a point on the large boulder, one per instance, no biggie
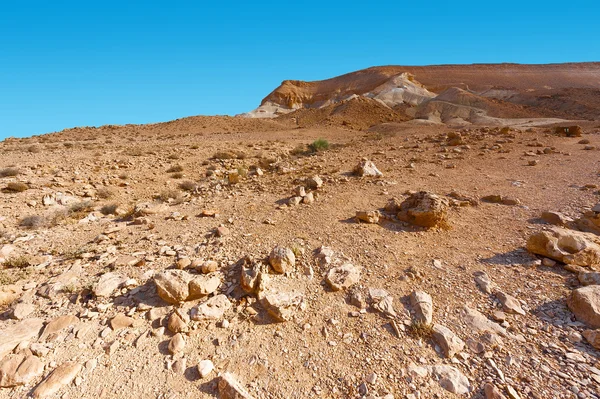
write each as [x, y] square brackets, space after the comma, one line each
[23, 331]
[19, 370]
[175, 286]
[584, 302]
[567, 246]
[424, 209]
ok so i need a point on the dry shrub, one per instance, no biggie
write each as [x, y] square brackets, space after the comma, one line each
[18, 262]
[9, 172]
[80, 209]
[34, 149]
[188, 185]
[109, 209]
[32, 222]
[170, 195]
[420, 330]
[16, 187]
[177, 175]
[175, 168]
[105, 193]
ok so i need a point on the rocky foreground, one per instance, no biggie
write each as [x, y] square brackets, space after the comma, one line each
[407, 262]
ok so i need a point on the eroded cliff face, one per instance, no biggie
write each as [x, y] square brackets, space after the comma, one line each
[514, 84]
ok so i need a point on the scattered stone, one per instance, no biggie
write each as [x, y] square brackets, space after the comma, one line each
[23, 331]
[175, 286]
[121, 321]
[313, 183]
[205, 367]
[283, 305]
[178, 321]
[367, 216]
[282, 259]
[183, 263]
[585, 304]
[451, 379]
[108, 284]
[176, 344]
[366, 168]
[22, 310]
[309, 198]
[57, 325]
[214, 308]
[179, 366]
[491, 392]
[593, 337]
[484, 282]
[423, 307]
[61, 376]
[567, 246]
[383, 302]
[222, 231]
[19, 369]
[589, 278]
[509, 303]
[230, 388]
[556, 218]
[343, 276]
[424, 209]
[207, 267]
[447, 340]
[478, 322]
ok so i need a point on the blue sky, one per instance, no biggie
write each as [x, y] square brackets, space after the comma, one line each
[89, 63]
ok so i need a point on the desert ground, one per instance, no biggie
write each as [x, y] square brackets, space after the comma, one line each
[341, 251]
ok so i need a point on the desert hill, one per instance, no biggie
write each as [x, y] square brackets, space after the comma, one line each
[569, 91]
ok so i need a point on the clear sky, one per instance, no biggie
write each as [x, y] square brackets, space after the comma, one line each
[88, 63]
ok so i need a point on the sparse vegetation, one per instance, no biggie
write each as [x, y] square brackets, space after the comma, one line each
[177, 175]
[34, 148]
[420, 330]
[105, 193]
[319, 145]
[109, 209]
[16, 187]
[9, 172]
[79, 209]
[188, 185]
[18, 262]
[32, 222]
[175, 168]
[170, 195]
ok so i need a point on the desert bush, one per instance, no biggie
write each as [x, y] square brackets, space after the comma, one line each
[17, 186]
[68, 144]
[177, 175]
[34, 148]
[173, 156]
[9, 172]
[188, 185]
[175, 168]
[32, 222]
[224, 155]
[18, 262]
[169, 194]
[79, 209]
[105, 193]
[319, 145]
[134, 152]
[420, 330]
[109, 209]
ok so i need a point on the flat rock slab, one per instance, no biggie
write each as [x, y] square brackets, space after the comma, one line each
[12, 336]
[19, 370]
[61, 376]
[57, 325]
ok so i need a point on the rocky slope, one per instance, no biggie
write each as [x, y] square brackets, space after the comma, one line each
[221, 257]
